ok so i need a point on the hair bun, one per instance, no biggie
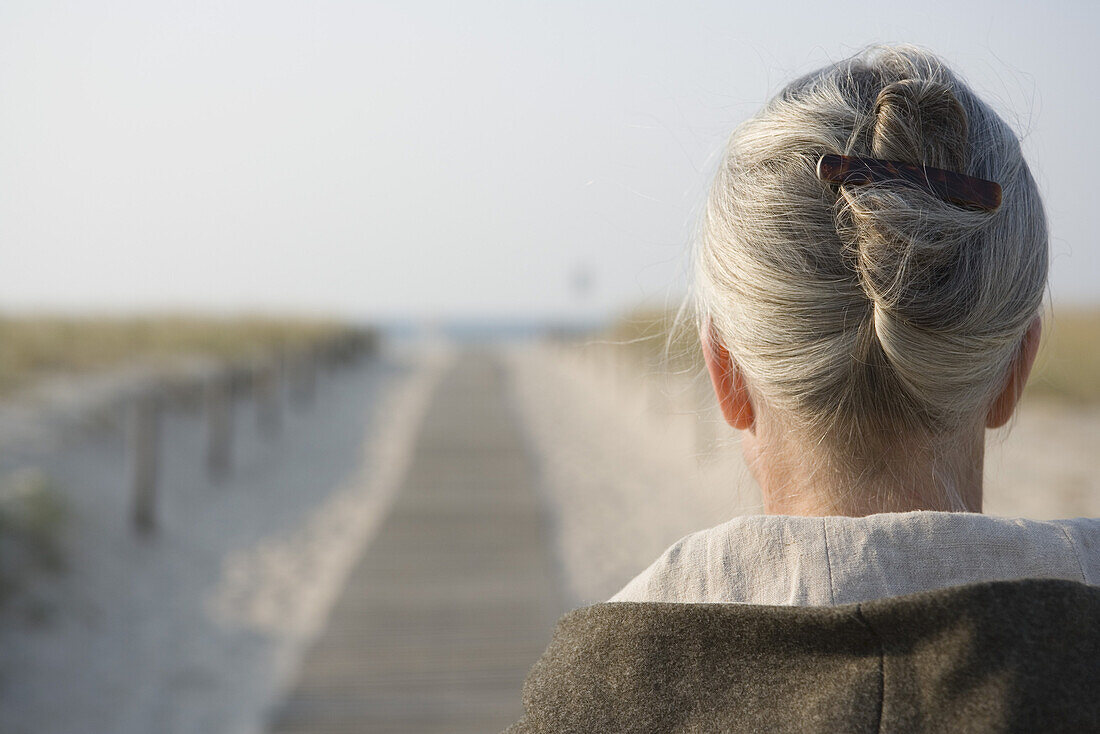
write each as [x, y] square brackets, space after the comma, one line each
[920, 121]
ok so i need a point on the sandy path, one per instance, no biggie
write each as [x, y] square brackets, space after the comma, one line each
[629, 462]
[198, 628]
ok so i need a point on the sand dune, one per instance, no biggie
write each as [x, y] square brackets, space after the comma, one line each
[631, 462]
[197, 628]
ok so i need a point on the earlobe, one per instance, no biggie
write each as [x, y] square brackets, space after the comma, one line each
[1005, 402]
[727, 380]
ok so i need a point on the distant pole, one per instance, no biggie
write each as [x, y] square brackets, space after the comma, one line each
[304, 379]
[365, 343]
[144, 455]
[267, 399]
[219, 425]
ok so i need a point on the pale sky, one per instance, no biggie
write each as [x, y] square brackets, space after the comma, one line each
[465, 159]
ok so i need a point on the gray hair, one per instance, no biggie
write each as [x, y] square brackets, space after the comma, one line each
[874, 314]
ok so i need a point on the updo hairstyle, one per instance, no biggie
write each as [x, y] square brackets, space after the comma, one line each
[868, 317]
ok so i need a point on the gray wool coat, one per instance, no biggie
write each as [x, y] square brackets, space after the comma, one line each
[1001, 656]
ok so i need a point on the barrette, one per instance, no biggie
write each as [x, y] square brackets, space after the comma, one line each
[965, 191]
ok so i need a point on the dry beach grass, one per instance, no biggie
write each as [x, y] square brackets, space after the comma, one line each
[1067, 368]
[34, 346]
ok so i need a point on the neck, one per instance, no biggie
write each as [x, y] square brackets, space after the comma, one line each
[792, 482]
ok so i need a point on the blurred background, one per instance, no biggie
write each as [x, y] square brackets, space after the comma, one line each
[336, 356]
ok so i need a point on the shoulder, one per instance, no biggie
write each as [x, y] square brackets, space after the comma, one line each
[1083, 534]
[787, 560]
[748, 559]
[893, 554]
[1023, 651]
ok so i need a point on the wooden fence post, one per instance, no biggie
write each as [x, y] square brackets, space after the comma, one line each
[266, 392]
[219, 424]
[144, 458]
[304, 379]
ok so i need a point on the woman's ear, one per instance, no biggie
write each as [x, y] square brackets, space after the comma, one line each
[729, 384]
[1005, 402]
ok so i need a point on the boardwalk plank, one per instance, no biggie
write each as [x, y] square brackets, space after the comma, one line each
[455, 598]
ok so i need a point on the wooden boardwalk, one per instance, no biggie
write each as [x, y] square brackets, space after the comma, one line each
[457, 595]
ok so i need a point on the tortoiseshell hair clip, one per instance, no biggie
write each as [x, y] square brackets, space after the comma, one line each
[965, 191]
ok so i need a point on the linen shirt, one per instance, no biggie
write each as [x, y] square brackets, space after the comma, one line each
[823, 561]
